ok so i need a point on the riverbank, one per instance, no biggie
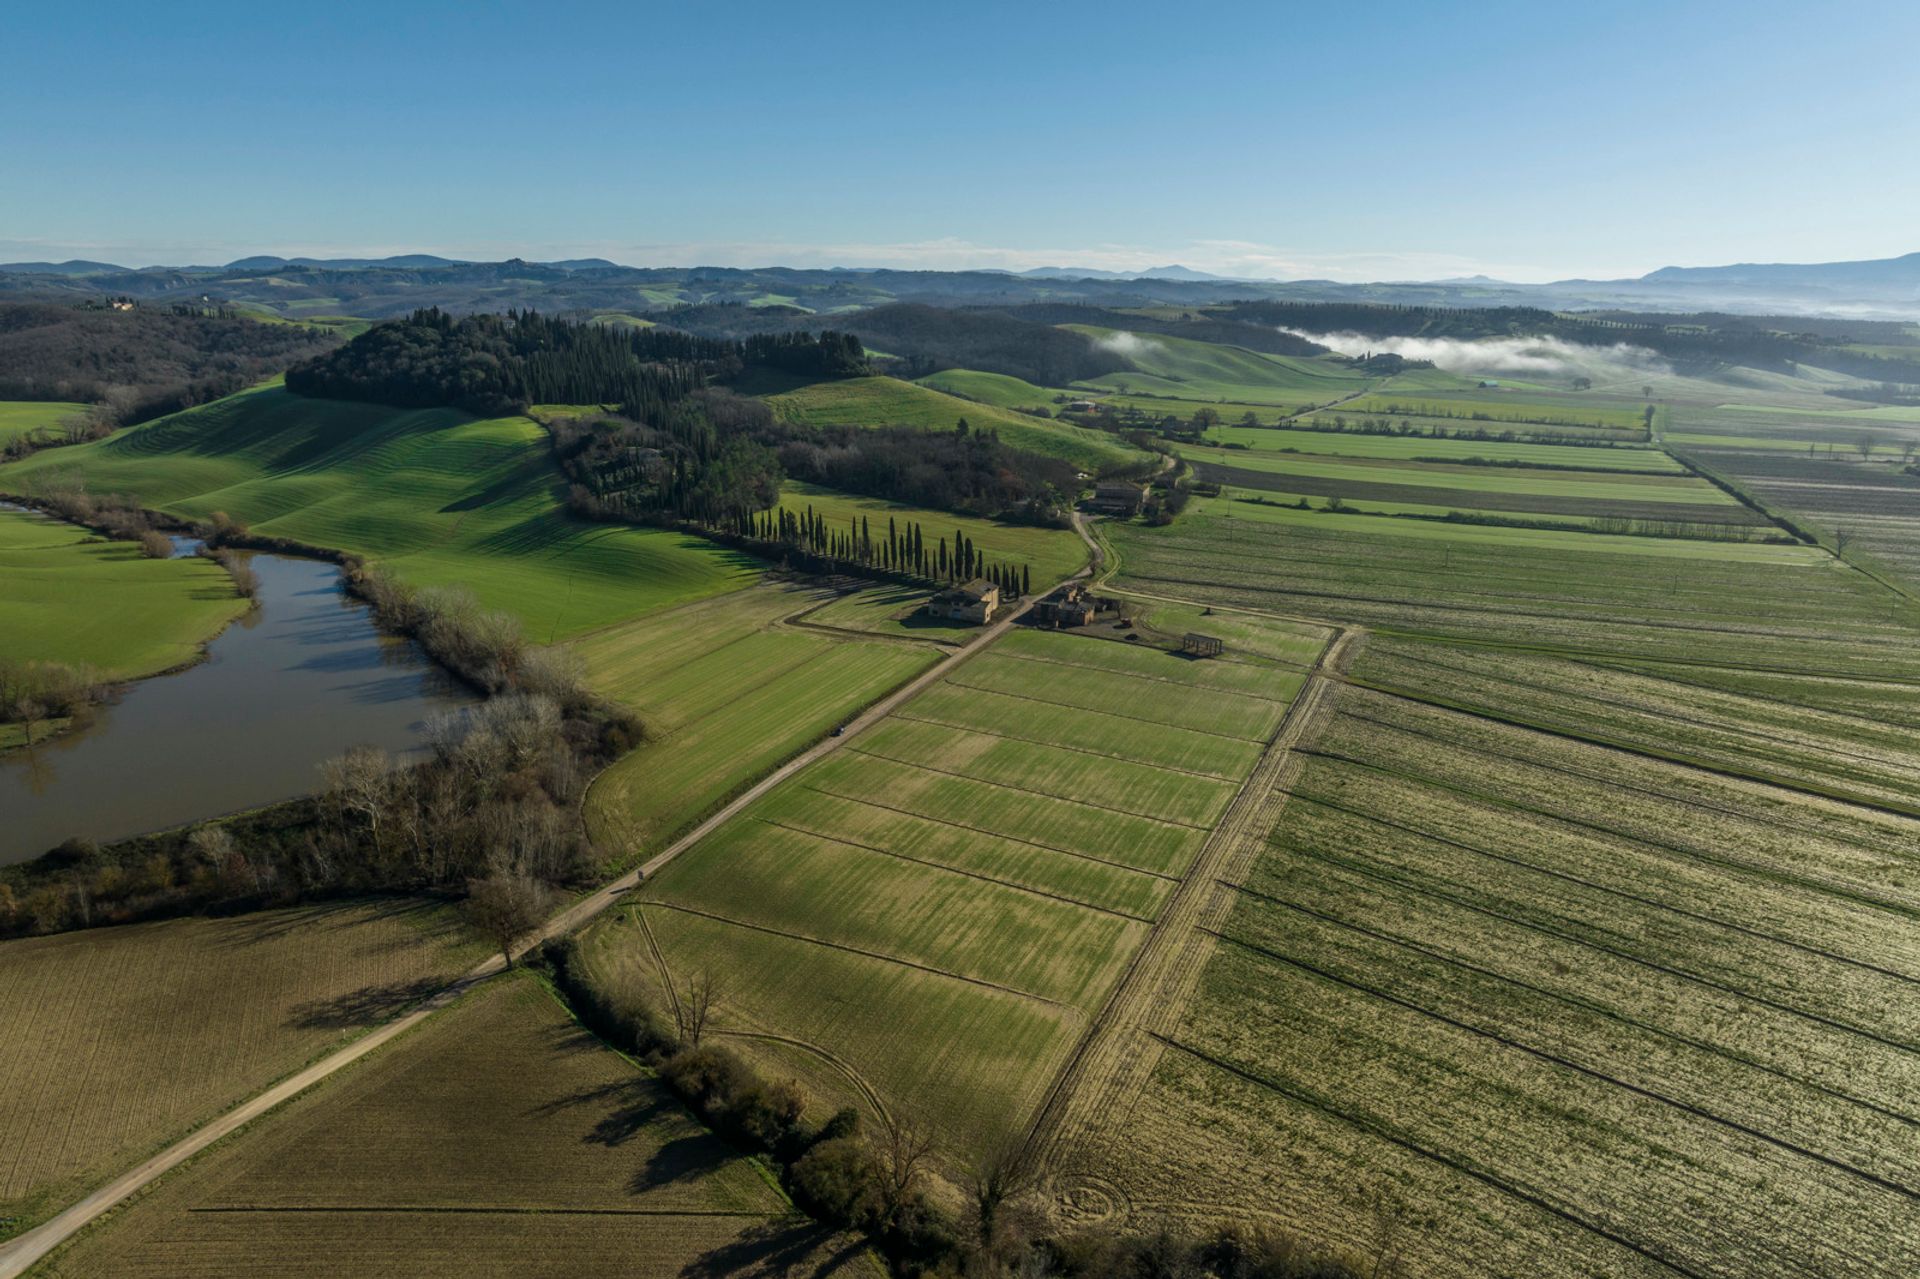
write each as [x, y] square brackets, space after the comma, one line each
[82, 616]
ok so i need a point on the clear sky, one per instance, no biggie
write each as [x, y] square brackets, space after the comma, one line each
[1386, 140]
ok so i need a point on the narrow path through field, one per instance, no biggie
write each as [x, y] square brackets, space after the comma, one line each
[17, 1255]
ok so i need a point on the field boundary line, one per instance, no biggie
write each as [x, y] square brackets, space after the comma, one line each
[955, 870]
[1644, 751]
[1566, 1063]
[1561, 997]
[1572, 939]
[1078, 750]
[1385, 1132]
[1683, 801]
[987, 781]
[860, 951]
[1097, 710]
[25, 1250]
[1437, 835]
[1114, 1056]
[1679, 854]
[978, 830]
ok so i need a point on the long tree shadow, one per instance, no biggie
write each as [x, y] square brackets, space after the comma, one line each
[682, 1159]
[368, 1006]
[785, 1247]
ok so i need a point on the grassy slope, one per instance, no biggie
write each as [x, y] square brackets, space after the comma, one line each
[499, 1139]
[120, 1039]
[434, 495]
[1053, 553]
[1185, 369]
[885, 401]
[67, 595]
[17, 417]
[997, 389]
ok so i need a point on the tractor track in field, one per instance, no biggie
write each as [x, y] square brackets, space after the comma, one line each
[1111, 1063]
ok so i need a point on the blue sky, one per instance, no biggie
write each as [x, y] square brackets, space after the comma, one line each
[1391, 140]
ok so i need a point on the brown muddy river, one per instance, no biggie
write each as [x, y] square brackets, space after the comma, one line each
[291, 684]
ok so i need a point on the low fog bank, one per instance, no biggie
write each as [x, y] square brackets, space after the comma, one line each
[1531, 357]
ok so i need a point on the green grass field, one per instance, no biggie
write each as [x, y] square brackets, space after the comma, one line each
[1408, 447]
[885, 401]
[927, 918]
[435, 496]
[67, 595]
[1052, 553]
[24, 417]
[1181, 368]
[500, 1138]
[120, 1040]
[997, 389]
[728, 688]
[1477, 410]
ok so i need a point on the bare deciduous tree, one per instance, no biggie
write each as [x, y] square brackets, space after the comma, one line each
[694, 1007]
[506, 906]
[904, 1147]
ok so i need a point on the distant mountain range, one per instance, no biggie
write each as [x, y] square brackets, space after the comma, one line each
[379, 287]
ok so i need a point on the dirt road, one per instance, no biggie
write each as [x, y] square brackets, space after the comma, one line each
[17, 1255]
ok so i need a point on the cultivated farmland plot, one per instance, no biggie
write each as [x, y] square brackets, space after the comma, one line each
[120, 1039]
[498, 1139]
[1527, 1007]
[928, 918]
[727, 688]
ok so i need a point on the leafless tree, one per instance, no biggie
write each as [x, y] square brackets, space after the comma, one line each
[998, 1177]
[694, 1007]
[156, 545]
[904, 1147]
[506, 906]
[1842, 539]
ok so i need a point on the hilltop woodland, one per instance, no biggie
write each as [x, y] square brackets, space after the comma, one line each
[682, 450]
[141, 364]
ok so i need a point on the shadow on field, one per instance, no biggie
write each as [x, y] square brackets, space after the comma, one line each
[426, 917]
[681, 1159]
[367, 1006]
[790, 1247]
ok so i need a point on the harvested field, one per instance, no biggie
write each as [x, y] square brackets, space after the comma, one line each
[1875, 504]
[498, 1139]
[1784, 736]
[937, 910]
[1515, 1005]
[120, 1039]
